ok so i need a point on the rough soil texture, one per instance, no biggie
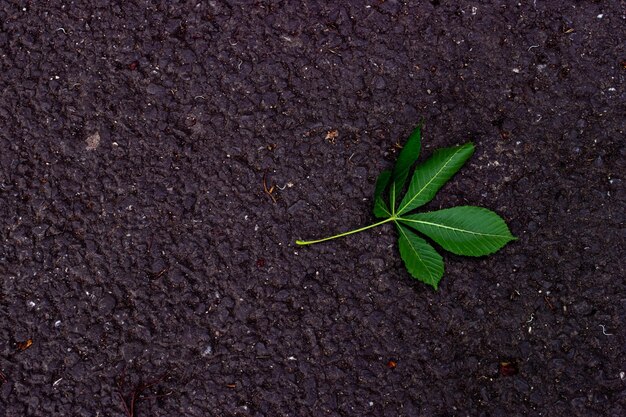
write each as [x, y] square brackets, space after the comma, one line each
[139, 246]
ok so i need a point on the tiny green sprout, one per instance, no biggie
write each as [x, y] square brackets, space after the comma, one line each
[462, 230]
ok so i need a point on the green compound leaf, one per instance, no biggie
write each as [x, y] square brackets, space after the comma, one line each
[421, 260]
[463, 230]
[433, 174]
[380, 208]
[406, 159]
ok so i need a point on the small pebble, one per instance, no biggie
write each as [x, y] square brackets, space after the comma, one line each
[207, 351]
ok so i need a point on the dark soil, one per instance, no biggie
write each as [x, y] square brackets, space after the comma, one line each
[142, 257]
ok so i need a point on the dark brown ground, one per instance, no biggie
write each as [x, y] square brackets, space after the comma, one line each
[152, 253]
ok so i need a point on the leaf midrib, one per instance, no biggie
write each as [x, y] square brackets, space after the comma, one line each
[404, 219]
[416, 252]
[401, 209]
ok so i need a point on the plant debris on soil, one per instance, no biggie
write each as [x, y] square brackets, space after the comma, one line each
[156, 159]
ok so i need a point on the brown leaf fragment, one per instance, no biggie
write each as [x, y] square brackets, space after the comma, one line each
[332, 136]
[507, 368]
[269, 191]
[22, 346]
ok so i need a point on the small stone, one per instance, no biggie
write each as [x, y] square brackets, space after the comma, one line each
[40, 231]
[261, 349]
[599, 162]
[297, 207]
[155, 90]
[269, 100]
[107, 304]
[92, 141]
[379, 83]
[207, 350]
[521, 386]
[583, 308]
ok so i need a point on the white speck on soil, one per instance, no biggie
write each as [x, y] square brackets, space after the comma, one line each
[604, 332]
[207, 351]
[92, 141]
[57, 323]
[31, 304]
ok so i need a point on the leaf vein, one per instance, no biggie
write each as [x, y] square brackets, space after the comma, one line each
[401, 209]
[416, 253]
[451, 228]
